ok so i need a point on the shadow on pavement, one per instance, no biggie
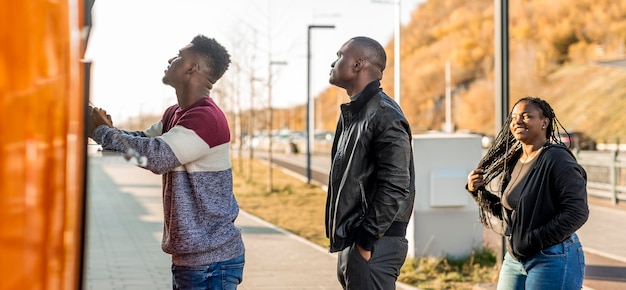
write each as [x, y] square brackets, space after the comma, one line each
[606, 273]
[259, 230]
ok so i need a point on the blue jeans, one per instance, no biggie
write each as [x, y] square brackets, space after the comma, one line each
[561, 266]
[224, 275]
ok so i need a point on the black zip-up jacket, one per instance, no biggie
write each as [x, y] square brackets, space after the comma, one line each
[553, 203]
[371, 185]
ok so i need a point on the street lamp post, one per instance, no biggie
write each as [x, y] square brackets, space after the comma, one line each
[501, 62]
[501, 20]
[309, 104]
[270, 119]
[397, 25]
[396, 53]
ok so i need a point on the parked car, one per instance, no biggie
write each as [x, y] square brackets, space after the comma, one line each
[578, 140]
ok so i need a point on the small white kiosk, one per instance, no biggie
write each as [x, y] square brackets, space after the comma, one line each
[445, 218]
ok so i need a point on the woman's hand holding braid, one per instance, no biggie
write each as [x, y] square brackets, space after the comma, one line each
[475, 179]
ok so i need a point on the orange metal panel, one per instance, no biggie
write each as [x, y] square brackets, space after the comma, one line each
[41, 144]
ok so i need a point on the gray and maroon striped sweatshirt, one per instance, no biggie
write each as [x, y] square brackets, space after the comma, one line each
[190, 148]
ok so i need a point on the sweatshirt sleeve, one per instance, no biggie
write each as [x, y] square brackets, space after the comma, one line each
[159, 155]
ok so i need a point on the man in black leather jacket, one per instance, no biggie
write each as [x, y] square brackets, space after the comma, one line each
[372, 182]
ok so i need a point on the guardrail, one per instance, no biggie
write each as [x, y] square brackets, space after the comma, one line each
[606, 173]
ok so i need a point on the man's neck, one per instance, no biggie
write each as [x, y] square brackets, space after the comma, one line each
[188, 98]
[356, 90]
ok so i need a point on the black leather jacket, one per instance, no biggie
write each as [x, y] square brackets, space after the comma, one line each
[371, 186]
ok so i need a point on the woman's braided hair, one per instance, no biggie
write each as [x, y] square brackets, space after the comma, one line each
[503, 152]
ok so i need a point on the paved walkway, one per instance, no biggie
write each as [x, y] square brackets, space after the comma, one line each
[125, 225]
[604, 240]
[603, 237]
[124, 232]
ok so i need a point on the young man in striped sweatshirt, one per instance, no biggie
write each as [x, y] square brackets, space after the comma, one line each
[190, 148]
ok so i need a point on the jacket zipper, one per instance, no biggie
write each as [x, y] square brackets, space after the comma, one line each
[341, 185]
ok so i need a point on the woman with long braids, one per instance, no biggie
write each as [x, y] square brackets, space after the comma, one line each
[532, 182]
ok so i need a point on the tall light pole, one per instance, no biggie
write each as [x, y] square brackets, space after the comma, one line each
[396, 46]
[270, 120]
[501, 21]
[501, 62]
[309, 103]
[396, 54]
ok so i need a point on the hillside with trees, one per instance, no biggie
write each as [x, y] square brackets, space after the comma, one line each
[558, 51]
[555, 50]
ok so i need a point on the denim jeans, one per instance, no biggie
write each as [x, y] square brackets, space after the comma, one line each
[561, 266]
[224, 275]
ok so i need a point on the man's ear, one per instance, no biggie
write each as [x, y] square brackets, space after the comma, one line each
[358, 64]
[192, 67]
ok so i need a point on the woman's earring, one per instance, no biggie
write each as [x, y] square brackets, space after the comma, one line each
[543, 126]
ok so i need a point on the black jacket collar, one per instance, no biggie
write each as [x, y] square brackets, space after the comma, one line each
[362, 97]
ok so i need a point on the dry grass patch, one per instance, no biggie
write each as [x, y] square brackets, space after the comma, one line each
[292, 205]
[450, 273]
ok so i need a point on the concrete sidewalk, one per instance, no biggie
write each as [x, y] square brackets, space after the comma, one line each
[602, 236]
[125, 223]
[124, 230]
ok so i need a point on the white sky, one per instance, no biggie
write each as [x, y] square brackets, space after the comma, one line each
[131, 41]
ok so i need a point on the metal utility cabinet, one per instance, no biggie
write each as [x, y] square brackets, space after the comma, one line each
[445, 219]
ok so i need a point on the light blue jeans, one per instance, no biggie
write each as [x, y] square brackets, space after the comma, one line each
[224, 275]
[561, 266]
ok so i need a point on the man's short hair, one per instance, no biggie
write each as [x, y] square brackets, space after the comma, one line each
[215, 55]
[373, 50]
